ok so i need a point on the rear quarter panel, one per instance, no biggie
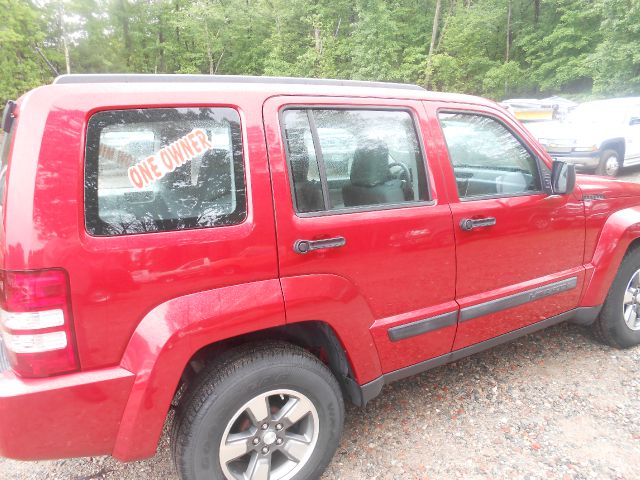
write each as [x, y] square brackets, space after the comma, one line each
[116, 281]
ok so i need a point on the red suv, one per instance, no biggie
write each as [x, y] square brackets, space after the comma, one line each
[253, 251]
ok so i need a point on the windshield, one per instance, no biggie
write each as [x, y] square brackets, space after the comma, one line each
[596, 113]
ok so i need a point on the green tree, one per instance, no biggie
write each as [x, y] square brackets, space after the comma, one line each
[21, 67]
[495, 48]
[616, 62]
[558, 50]
[471, 46]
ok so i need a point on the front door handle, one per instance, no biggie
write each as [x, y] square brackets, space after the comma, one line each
[468, 224]
[306, 246]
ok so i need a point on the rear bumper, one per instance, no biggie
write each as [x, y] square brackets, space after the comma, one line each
[72, 415]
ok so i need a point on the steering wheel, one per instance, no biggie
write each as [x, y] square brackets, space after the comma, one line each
[404, 174]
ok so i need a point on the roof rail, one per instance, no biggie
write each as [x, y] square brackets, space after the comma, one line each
[163, 78]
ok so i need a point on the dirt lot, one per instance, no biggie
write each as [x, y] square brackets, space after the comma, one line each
[553, 405]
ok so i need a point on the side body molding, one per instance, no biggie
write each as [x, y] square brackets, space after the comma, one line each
[619, 230]
[166, 339]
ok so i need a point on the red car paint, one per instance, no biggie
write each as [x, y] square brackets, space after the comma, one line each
[144, 304]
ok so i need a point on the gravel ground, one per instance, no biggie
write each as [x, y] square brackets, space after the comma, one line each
[552, 405]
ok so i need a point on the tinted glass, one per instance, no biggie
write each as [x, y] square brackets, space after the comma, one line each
[6, 139]
[162, 169]
[303, 165]
[487, 159]
[363, 157]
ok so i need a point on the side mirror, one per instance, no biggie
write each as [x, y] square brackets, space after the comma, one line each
[563, 177]
[634, 121]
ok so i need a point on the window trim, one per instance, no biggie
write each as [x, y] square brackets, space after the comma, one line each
[322, 167]
[90, 198]
[308, 108]
[536, 158]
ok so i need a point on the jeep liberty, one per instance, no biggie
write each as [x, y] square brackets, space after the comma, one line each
[254, 252]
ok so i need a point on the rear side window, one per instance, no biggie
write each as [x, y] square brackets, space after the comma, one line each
[7, 128]
[162, 169]
[346, 158]
[4, 160]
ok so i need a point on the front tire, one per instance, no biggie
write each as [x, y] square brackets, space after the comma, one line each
[619, 321]
[263, 412]
[609, 164]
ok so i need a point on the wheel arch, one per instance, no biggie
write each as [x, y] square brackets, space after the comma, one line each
[315, 336]
[170, 341]
[166, 339]
[617, 144]
[619, 235]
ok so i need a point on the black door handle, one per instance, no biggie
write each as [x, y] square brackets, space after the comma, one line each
[471, 223]
[305, 246]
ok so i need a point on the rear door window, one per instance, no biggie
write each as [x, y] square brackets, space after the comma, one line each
[162, 169]
[353, 158]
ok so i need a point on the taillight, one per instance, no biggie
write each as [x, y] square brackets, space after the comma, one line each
[36, 322]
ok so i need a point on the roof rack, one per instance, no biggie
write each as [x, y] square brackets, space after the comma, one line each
[164, 78]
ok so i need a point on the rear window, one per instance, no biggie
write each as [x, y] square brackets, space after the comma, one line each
[162, 169]
[4, 160]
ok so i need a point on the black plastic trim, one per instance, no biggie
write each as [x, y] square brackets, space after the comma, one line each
[517, 299]
[419, 327]
[371, 389]
[586, 315]
[322, 169]
[183, 78]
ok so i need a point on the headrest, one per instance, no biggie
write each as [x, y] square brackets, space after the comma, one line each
[300, 167]
[298, 157]
[370, 164]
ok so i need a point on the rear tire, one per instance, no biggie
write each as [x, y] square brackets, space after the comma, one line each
[619, 321]
[610, 164]
[219, 417]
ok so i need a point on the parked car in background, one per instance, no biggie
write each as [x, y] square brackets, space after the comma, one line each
[534, 110]
[602, 136]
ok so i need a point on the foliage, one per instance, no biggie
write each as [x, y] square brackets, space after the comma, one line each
[616, 62]
[20, 32]
[495, 48]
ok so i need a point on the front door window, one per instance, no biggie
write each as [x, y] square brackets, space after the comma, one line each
[488, 160]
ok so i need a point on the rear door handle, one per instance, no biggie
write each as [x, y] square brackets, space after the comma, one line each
[306, 246]
[468, 224]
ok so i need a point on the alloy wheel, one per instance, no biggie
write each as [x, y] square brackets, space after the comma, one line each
[271, 437]
[631, 302]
